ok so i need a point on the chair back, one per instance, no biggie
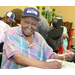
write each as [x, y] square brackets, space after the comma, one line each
[53, 34]
[1, 50]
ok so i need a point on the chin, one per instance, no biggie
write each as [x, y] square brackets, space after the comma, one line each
[28, 35]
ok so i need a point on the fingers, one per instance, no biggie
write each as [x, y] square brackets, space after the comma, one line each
[54, 64]
[68, 51]
[57, 65]
[68, 56]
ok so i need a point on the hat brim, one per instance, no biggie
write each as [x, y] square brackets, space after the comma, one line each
[31, 16]
[12, 20]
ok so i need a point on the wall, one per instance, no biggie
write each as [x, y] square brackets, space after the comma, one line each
[68, 13]
[4, 9]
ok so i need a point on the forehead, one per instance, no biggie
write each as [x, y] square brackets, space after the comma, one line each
[29, 18]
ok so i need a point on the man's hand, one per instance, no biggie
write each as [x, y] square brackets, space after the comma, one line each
[53, 65]
[68, 55]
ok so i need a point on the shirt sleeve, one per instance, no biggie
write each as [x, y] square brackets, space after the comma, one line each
[48, 54]
[11, 46]
[48, 51]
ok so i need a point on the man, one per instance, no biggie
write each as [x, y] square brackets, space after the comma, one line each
[9, 18]
[24, 46]
[5, 24]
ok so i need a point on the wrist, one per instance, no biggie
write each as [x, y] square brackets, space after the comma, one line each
[59, 56]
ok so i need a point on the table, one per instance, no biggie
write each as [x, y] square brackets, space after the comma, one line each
[66, 65]
[30, 67]
[69, 65]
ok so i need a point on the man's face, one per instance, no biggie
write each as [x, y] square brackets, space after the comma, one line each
[8, 21]
[28, 25]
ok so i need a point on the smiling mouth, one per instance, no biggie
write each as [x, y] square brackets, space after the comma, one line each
[28, 30]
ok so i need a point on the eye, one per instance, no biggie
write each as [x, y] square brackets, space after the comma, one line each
[34, 24]
[26, 22]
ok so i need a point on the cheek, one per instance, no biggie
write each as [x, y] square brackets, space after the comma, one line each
[33, 29]
[8, 20]
[23, 28]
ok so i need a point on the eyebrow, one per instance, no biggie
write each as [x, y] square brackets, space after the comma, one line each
[28, 20]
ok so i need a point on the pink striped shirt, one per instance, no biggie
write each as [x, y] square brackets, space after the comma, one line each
[15, 42]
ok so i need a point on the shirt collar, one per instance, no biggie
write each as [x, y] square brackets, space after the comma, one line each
[20, 31]
[34, 35]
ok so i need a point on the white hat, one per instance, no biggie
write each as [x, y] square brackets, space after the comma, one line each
[10, 15]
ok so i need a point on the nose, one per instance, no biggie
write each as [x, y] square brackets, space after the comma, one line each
[29, 25]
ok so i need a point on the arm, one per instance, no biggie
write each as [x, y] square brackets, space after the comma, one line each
[20, 59]
[35, 63]
[67, 56]
[59, 57]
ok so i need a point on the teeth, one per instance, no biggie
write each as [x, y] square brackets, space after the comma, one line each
[28, 30]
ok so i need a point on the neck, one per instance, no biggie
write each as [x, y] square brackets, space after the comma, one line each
[29, 39]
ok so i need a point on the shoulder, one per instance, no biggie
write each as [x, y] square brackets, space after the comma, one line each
[39, 36]
[13, 30]
[3, 24]
[43, 21]
[41, 17]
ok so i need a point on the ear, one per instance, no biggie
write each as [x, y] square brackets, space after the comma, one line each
[5, 18]
[21, 21]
